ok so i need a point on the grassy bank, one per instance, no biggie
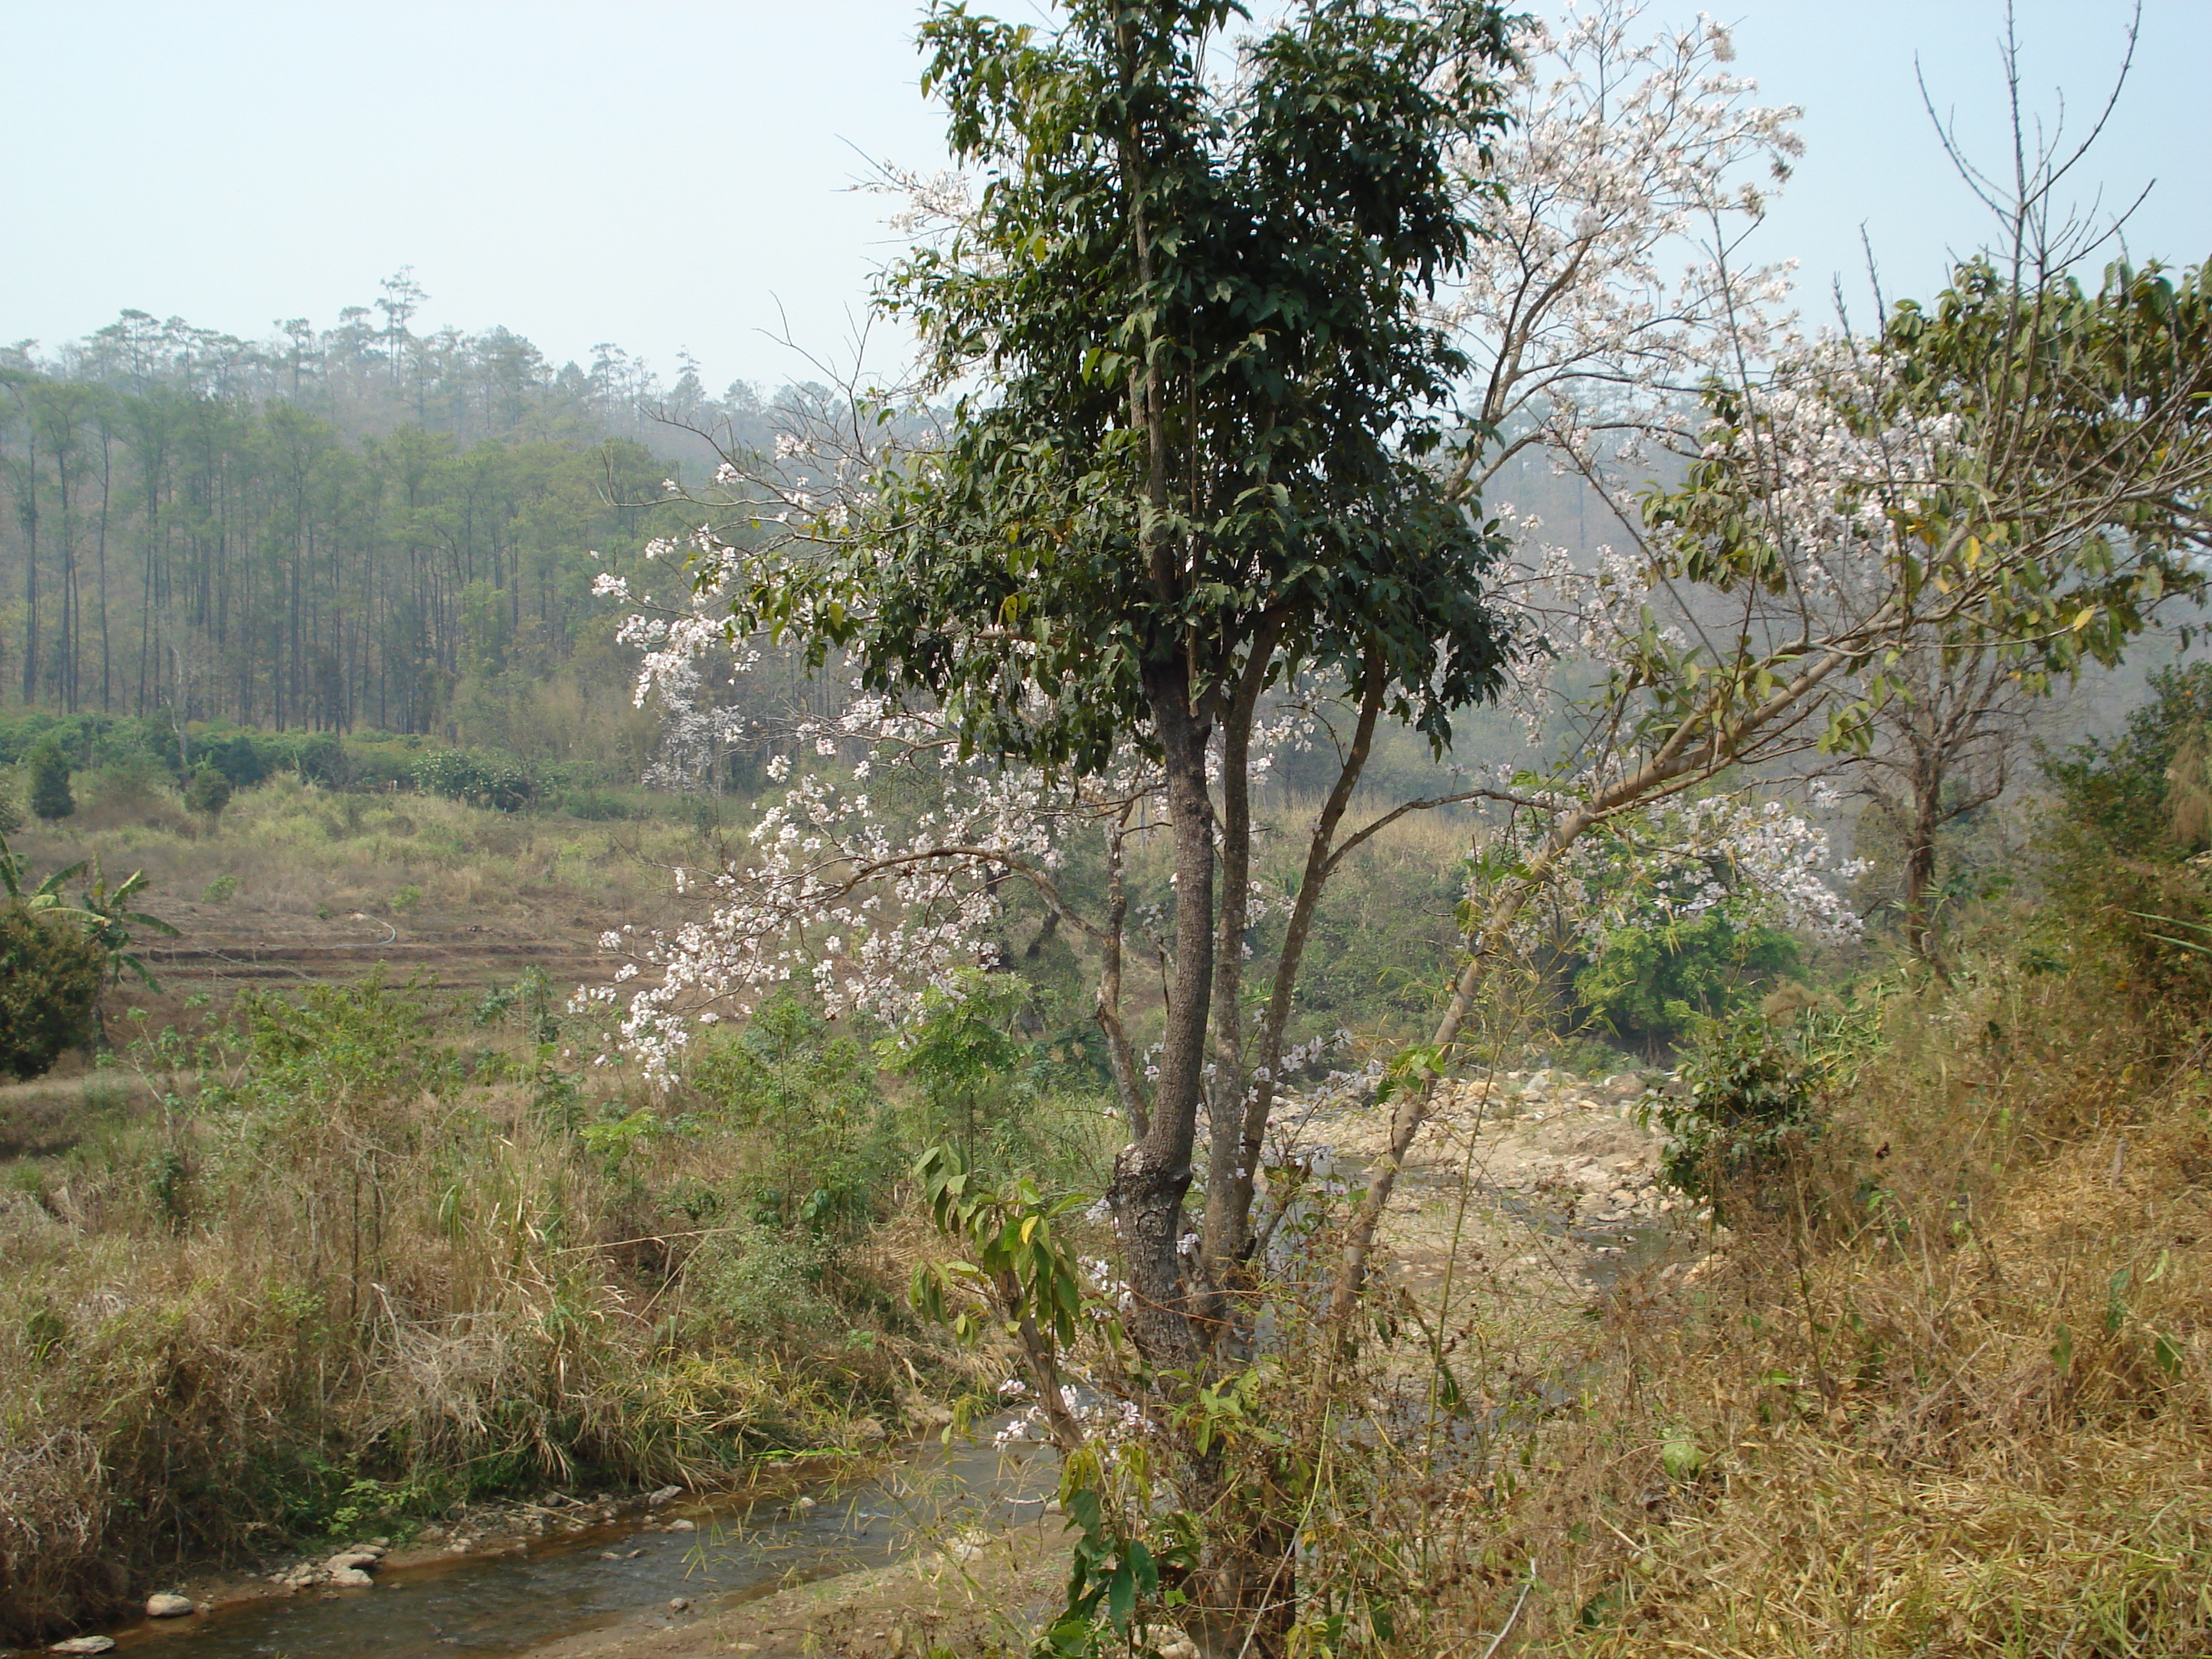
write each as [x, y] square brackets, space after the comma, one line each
[383, 1252]
[1945, 1388]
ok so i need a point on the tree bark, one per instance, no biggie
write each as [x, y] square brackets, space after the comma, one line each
[1151, 1175]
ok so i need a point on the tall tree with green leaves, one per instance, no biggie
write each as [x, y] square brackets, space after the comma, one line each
[1197, 473]
[1194, 476]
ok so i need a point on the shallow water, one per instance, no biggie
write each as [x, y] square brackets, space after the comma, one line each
[503, 1604]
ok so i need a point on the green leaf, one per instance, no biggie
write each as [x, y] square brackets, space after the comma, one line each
[1682, 1460]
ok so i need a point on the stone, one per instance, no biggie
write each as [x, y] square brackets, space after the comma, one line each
[804, 1503]
[666, 1495]
[609, 1555]
[348, 1578]
[681, 1524]
[84, 1644]
[680, 1604]
[168, 1605]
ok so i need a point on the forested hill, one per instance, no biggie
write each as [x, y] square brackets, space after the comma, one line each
[357, 526]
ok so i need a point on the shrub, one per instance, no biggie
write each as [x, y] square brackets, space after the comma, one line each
[831, 1156]
[596, 807]
[479, 779]
[239, 757]
[746, 1286]
[968, 1065]
[209, 792]
[1651, 985]
[320, 757]
[135, 789]
[50, 983]
[2121, 790]
[2122, 855]
[1750, 1094]
[50, 780]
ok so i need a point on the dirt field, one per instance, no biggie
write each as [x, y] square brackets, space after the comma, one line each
[296, 885]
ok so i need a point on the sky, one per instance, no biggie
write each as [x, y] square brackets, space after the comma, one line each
[672, 176]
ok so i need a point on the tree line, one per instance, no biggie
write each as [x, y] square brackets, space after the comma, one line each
[328, 529]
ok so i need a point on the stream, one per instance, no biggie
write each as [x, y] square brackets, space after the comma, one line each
[503, 1604]
[741, 1549]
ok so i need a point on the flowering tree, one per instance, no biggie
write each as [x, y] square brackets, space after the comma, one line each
[2020, 472]
[1612, 284]
[1217, 497]
[1197, 483]
[1213, 493]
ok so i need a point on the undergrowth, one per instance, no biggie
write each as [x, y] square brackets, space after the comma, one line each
[350, 1268]
[1946, 1389]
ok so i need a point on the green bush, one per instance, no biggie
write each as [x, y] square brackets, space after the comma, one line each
[243, 758]
[50, 983]
[1750, 1095]
[209, 792]
[596, 807]
[831, 1152]
[320, 757]
[50, 780]
[969, 1065]
[2123, 861]
[1652, 985]
[747, 1285]
[479, 779]
[2120, 790]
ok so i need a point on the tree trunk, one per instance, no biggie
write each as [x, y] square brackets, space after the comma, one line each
[1920, 864]
[1153, 1173]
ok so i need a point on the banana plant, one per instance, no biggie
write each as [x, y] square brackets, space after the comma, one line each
[106, 912]
[46, 896]
[110, 922]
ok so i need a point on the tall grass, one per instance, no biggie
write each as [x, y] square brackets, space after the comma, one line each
[1947, 1390]
[355, 1269]
[289, 849]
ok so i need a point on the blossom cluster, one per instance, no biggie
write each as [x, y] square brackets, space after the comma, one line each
[1610, 285]
[1753, 859]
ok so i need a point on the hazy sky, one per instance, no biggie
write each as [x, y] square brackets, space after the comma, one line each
[662, 174]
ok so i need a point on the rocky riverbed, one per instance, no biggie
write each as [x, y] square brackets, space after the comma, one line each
[1530, 1183]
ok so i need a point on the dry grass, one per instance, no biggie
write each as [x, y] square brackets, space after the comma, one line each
[218, 1319]
[1950, 1394]
[287, 848]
